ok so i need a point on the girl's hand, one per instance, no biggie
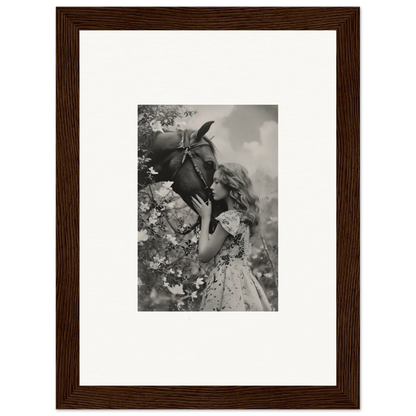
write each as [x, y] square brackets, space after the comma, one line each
[201, 207]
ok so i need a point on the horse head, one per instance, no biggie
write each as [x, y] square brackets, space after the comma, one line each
[188, 159]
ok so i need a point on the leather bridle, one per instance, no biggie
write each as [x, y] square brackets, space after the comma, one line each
[187, 147]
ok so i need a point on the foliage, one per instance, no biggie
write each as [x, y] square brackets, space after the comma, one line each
[170, 275]
[153, 117]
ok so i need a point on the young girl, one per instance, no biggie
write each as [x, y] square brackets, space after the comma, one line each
[231, 285]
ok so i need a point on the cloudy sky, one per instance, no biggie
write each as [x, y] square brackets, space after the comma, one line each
[245, 134]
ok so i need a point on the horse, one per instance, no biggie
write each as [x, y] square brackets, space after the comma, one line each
[188, 159]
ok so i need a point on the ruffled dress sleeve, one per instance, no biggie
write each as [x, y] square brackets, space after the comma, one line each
[230, 221]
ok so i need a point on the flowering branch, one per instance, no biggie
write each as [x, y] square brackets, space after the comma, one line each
[276, 279]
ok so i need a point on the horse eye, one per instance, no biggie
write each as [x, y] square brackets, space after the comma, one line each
[210, 164]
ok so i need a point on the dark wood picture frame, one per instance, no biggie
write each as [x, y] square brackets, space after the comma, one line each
[69, 394]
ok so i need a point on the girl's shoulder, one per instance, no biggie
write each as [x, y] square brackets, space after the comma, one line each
[230, 221]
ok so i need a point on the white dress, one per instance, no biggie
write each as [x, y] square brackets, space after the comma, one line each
[231, 285]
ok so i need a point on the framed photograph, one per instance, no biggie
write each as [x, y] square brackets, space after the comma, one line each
[207, 161]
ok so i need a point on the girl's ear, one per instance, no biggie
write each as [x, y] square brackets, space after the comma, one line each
[203, 130]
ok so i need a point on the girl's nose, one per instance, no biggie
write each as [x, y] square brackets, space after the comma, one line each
[212, 186]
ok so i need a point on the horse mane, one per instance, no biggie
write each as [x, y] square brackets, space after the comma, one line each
[212, 146]
[147, 140]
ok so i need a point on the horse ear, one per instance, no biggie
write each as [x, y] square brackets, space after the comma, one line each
[203, 130]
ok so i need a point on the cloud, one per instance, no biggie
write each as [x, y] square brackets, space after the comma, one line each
[263, 154]
[254, 155]
[217, 113]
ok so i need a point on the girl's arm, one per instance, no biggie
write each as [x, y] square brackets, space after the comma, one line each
[209, 247]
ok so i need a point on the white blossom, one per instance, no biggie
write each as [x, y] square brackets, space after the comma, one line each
[155, 213]
[142, 236]
[199, 282]
[157, 262]
[152, 171]
[157, 126]
[171, 239]
[144, 206]
[152, 221]
[158, 259]
[154, 265]
[176, 290]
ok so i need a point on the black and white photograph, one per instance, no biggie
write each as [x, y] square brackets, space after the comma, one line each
[208, 208]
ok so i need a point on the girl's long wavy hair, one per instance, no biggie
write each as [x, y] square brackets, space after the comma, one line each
[234, 177]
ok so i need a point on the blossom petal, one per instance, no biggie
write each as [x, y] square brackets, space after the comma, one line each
[142, 235]
[176, 290]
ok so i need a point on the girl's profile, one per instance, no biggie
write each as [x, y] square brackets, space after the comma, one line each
[231, 285]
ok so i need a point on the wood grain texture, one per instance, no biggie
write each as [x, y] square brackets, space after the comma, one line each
[69, 394]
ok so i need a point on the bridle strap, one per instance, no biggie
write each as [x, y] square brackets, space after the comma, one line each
[187, 147]
[197, 170]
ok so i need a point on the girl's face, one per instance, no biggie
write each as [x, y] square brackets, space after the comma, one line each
[218, 190]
